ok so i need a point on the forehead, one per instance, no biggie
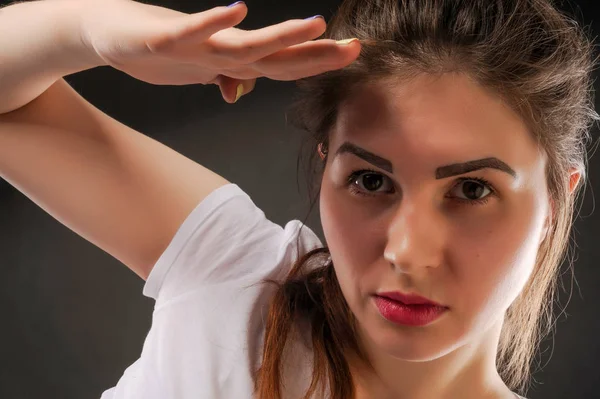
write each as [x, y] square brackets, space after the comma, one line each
[448, 116]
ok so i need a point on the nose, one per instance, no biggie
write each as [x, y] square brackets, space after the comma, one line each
[415, 239]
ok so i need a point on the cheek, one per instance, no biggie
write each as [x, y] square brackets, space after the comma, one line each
[350, 237]
[491, 265]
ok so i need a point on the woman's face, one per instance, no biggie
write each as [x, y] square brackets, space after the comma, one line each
[416, 225]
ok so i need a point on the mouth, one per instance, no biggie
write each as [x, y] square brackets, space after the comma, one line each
[408, 299]
[414, 315]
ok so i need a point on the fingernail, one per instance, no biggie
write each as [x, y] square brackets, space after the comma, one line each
[347, 41]
[235, 4]
[240, 91]
[314, 17]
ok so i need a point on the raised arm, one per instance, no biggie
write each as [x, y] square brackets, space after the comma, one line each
[119, 189]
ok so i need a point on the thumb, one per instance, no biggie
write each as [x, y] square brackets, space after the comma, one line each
[232, 89]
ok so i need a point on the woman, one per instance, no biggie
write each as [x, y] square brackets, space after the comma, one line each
[451, 139]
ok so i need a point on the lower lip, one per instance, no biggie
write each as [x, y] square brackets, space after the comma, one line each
[408, 315]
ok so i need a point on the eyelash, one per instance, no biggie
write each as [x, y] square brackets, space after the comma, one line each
[357, 173]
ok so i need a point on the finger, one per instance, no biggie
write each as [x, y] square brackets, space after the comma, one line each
[307, 59]
[242, 73]
[324, 55]
[231, 89]
[249, 46]
[200, 26]
[300, 74]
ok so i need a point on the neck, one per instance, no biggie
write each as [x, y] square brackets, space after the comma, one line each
[468, 371]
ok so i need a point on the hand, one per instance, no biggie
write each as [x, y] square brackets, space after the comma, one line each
[167, 47]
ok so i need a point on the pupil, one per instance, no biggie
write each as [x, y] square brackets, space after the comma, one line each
[370, 182]
[473, 190]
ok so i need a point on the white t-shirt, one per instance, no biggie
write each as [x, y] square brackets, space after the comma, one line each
[209, 318]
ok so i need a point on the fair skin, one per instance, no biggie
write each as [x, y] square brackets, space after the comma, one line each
[415, 236]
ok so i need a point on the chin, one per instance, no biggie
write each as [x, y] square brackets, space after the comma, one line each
[413, 344]
[411, 350]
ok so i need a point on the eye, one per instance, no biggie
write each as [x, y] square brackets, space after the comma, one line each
[368, 182]
[475, 190]
[469, 190]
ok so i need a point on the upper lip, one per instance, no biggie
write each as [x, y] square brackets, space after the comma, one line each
[408, 299]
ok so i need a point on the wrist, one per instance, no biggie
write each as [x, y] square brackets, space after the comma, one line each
[77, 53]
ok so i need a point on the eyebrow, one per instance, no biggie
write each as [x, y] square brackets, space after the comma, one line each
[440, 173]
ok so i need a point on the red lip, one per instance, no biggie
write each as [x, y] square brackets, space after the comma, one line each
[408, 315]
[408, 299]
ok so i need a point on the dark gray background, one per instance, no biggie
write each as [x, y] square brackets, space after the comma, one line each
[73, 318]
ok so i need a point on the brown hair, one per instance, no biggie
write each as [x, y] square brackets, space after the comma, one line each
[539, 61]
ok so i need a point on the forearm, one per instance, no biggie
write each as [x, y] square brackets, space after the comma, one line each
[40, 42]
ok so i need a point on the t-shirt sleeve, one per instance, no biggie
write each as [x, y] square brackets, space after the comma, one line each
[226, 238]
